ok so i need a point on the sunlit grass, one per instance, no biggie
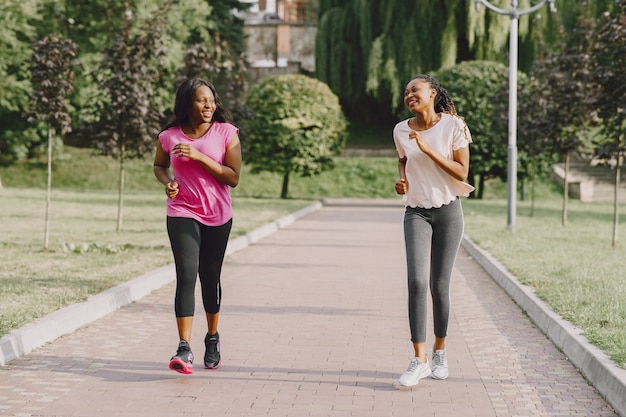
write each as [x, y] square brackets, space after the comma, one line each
[574, 268]
[85, 254]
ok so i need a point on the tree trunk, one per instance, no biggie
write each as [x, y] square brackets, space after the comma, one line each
[565, 189]
[284, 191]
[481, 186]
[618, 170]
[533, 180]
[46, 232]
[120, 200]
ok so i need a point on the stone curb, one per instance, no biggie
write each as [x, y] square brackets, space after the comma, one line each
[594, 364]
[24, 340]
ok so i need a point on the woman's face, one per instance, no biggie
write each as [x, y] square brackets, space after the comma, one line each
[419, 95]
[203, 106]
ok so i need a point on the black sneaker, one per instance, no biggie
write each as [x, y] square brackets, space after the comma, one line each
[182, 362]
[212, 355]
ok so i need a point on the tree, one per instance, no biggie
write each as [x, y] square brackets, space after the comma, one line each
[477, 89]
[565, 87]
[366, 50]
[16, 35]
[129, 121]
[536, 154]
[51, 77]
[216, 52]
[609, 54]
[296, 126]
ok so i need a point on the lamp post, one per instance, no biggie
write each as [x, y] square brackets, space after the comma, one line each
[514, 13]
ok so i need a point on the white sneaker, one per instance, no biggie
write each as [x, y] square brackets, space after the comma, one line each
[416, 371]
[440, 365]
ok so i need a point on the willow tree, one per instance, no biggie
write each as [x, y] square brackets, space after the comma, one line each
[366, 50]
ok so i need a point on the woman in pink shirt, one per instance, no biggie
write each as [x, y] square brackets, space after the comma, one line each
[433, 150]
[198, 159]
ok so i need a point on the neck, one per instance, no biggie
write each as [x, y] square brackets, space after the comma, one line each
[426, 120]
[196, 130]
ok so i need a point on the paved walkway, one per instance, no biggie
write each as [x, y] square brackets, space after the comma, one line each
[313, 324]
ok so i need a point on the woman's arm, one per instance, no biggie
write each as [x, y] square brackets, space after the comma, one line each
[227, 173]
[458, 167]
[161, 170]
[402, 186]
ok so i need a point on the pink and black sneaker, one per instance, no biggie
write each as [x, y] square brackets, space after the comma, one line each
[182, 362]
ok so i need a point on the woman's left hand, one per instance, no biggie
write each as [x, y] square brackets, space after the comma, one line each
[421, 142]
[185, 150]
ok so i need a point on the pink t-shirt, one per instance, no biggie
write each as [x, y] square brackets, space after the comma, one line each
[429, 185]
[200, 195]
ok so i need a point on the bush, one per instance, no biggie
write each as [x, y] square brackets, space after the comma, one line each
[296, 125]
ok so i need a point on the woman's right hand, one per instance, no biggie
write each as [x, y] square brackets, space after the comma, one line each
[402, 186]
[171, 189]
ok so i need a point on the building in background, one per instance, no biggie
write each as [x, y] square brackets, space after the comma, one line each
[280, 37]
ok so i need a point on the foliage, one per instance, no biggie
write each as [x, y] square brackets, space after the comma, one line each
[366, 50]
[216, 52]
[609, 51]
[51, 76]
[296, 126]
[130, 71]
[477, 89]
[610, 60]
[536, 155]
[17, 22]
[558, 113]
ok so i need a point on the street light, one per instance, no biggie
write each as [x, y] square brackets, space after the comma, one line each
[514, 13]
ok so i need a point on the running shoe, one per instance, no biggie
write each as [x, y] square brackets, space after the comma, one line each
[440, 364]
[416, 371]
[212, 355]
[182, 362]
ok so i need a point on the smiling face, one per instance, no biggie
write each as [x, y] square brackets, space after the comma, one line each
[419, 95]
[203, 106]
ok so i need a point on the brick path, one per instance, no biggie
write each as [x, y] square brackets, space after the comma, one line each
[313, 324]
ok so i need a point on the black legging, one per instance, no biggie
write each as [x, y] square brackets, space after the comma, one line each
[198, 251]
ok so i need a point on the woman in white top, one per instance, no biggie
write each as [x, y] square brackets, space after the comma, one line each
[433, 150]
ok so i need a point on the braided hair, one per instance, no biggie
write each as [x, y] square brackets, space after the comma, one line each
[443, 101]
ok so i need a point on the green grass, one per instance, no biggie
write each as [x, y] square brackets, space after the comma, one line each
[85, 254]
[573, 268]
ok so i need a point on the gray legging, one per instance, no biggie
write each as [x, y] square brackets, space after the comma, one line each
[198, 251]
[432, 238]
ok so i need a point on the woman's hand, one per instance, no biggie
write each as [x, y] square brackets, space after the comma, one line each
[186, 150]
[171, 189]
[421, 142]
[402, 186]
